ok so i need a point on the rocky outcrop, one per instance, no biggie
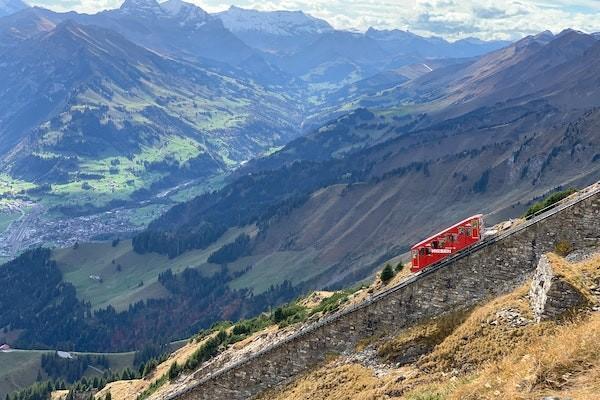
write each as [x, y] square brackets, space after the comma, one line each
[550, 295]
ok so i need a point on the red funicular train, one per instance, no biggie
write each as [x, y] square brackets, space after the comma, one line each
[449, 241]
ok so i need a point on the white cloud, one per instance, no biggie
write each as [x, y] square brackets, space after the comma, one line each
[453, 19]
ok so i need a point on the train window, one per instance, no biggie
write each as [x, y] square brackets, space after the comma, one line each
[475, 223]
[469, 232]
[461, 230]
[415, 253]
[422, 251]
[435, 244]
[428, 250]
[454, 237]
[451, 237]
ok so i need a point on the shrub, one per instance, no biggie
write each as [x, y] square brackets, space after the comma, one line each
[562, 248]
[548, 201]
[331, 303]
[174, 371]
[387, 274]
[289, 314]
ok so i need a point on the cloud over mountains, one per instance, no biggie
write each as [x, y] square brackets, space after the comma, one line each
[452, 19]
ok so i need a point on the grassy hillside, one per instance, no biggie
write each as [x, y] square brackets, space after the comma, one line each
[20, 368]
[335, 203]
[485, 353]
[126, 276]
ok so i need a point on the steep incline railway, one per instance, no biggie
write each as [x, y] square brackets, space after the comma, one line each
[300, 350]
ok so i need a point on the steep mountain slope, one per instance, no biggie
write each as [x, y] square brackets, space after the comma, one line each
[8, 7]
[532, 68]
[376, 176]
[24, 24]
[526, 69]
[117, 105]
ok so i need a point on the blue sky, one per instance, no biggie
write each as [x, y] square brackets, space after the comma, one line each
[453, 19]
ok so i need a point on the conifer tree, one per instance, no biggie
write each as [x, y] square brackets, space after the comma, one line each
[387, 273]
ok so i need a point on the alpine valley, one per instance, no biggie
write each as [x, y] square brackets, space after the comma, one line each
[163, 169]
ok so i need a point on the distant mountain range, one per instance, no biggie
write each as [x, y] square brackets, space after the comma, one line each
[151, 76]
[280, 32]
[268, 44]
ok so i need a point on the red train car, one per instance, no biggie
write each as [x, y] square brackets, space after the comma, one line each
[451, 240]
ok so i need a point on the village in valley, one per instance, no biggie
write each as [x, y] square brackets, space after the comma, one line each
[29, 225]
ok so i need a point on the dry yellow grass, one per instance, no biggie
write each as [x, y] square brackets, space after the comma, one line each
[59, 394]
[127, 390]
[581, 275]
[483, 337]
[566, 364]
[482, 357]
[121, 390]
[344, 382]
[315, 298]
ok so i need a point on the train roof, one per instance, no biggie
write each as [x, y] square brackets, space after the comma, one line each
[424, 241]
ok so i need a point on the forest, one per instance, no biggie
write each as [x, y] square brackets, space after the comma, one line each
[53, 317]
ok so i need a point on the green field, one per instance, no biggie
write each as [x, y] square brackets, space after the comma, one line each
[274, 268]
[10, 185]
[6, 218]
[20, 368]
[122, 288]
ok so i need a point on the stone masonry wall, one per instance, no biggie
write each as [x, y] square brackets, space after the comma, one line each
[493, 270]
[551, 296]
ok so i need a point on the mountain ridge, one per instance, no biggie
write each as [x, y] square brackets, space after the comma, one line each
[8, 7]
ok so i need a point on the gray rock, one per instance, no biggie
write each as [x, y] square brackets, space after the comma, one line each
[551, 296]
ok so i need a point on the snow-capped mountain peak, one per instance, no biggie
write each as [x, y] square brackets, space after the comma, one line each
[141, 7]
[273, 22]
[183, 9]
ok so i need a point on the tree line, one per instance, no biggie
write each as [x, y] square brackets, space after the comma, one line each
[53, 317]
